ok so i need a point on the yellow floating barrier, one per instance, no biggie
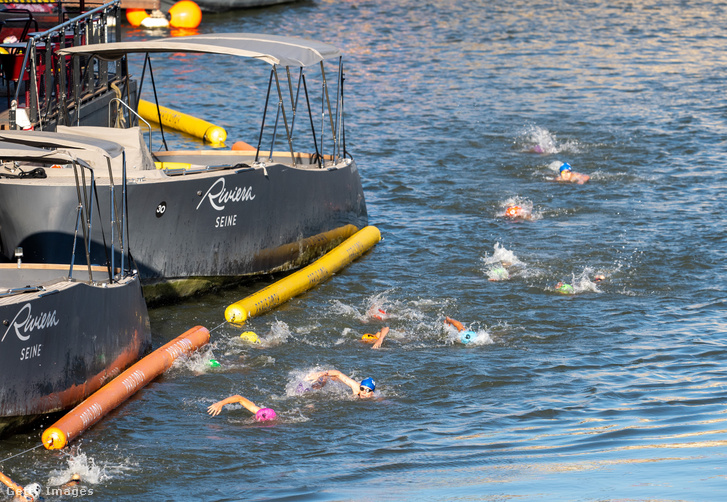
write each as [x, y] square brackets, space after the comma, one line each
[193, 126]
[305, 278]
[121, 388]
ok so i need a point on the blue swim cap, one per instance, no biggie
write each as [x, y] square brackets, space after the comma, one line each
[564, 167]
[369, 383]
[467, 336]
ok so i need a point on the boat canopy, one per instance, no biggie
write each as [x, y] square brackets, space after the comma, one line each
[93, 144]
[17, 151]
[274, 50]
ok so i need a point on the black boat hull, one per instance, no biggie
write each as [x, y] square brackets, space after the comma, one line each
[218, 224]
[60, 345]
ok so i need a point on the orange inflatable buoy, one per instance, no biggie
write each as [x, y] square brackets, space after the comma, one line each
[136, 16]
[185, 14]
[241, 145]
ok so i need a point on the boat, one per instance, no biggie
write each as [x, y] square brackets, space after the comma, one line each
[67, 327]
[200, 218]
[39, 89]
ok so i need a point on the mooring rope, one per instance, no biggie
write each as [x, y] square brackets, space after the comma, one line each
[21, 453]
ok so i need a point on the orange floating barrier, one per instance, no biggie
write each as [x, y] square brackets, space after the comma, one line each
[121, 388]
[11, 484]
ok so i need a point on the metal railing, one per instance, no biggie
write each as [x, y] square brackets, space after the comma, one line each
[54, 86]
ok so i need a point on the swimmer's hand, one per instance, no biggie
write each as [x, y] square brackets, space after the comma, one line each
[216, 408]
[380, 338]
[311, 377]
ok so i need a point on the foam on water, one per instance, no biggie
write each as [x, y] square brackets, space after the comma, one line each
[78, 462]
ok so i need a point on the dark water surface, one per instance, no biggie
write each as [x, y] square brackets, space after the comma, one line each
[617, 392]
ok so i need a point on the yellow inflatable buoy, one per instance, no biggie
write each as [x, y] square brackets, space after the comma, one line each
[250, 337]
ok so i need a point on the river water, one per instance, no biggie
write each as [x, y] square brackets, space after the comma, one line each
[614, 392]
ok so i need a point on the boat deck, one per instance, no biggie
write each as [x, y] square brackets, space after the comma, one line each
[33, 275]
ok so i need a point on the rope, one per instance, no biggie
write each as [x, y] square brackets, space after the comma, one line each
[21, 453]
[120, 120]
[218, 327]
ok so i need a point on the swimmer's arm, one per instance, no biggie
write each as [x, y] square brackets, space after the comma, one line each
[380, 338]
[581, 178]
[216, 408]
[454, 322]
[337, 375]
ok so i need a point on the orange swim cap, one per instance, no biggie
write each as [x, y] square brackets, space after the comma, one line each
[513, 211]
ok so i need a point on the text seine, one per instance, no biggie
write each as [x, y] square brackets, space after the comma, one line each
[219, 196]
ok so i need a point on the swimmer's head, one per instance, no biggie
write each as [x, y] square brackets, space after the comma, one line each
[564, 288]
[599, 278]
[564, 167]
[32, 491]
[250, 337]
[513, 211]
[467, 336]
[265, 414]
[368, 337]
[367, 385]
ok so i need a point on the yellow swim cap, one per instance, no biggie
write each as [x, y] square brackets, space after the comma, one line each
[250, 336]
[368, 337]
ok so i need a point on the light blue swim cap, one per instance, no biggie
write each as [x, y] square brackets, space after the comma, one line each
[369, 383]
[467, 336]
[564, 167]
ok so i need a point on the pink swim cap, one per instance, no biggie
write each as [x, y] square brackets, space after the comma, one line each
[265, 414]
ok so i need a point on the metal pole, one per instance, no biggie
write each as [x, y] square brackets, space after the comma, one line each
[265, 112]
[312, 126]
[285, 119]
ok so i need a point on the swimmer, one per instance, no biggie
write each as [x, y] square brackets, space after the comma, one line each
[74, 481]
[567, 175]
[261, 414]
[378, 313]
[519, 212]
[599, 278]
[376, 339]
[564, 288]
[363, 390]
[465, 335]
[514, 211]
[30, 493]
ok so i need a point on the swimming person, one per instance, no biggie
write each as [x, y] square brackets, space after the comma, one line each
[261, 414]
[362, 390]
[465, 335]
[376, 339]
[568, 175]
[565, 289]
[75, 480]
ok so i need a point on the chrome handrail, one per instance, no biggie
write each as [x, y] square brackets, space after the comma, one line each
[131, 110]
